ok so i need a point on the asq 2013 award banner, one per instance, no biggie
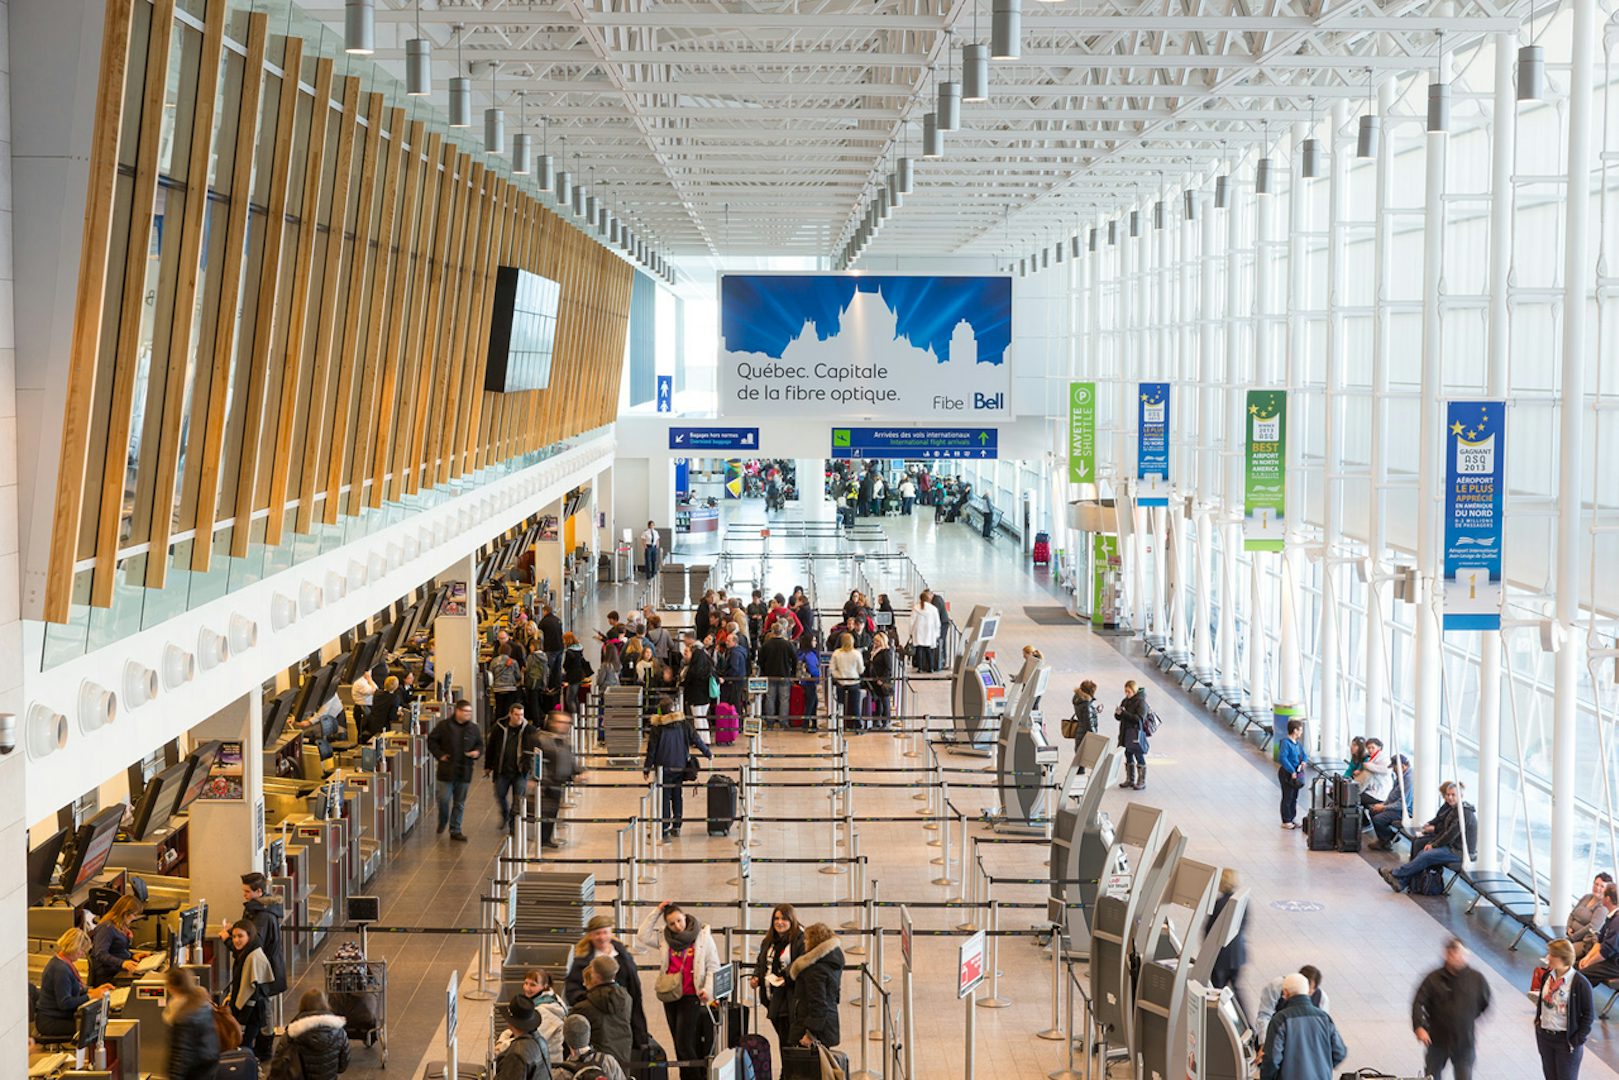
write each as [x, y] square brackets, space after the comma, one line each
[1264, 496]
[1082, 433]
[1475, 493]
[1152, 445]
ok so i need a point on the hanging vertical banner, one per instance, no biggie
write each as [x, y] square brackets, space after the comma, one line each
[1152, 445]
[1264, 497]
[1082, 433]
[1475, 490]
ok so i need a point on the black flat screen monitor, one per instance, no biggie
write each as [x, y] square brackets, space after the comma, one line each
[190, 929]
[277, 711]
[318, 687]
[201, 763]
[42, 866]
[365, 657]
[158, 800]
[94, 844]
[92, 1022]
[522, 331]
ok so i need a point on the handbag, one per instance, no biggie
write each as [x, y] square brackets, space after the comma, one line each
[713, 688]
[670, 985]
[689, 774]
[1070, 727]
[227, 1027]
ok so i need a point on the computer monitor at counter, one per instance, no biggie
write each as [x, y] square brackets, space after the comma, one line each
[158, 801]
[95, 841]
[42, 866]
[201, 765]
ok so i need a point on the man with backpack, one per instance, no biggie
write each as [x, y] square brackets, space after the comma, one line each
[526, 1056]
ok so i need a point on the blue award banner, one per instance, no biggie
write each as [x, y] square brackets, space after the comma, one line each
[1152, 445]
[1475, 493]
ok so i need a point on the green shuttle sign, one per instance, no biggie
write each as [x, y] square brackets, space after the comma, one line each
[1082, 433]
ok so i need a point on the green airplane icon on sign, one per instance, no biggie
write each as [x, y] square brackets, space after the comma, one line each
[840, 437]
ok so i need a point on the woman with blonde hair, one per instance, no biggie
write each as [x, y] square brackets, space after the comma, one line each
[111, 952]
[193, 1039]
[1563, 1008]
[61, 990]
[847, 667]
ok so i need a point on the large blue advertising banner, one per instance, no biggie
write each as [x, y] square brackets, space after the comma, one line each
[849, 346]
[1475, 494]
[1152, 445]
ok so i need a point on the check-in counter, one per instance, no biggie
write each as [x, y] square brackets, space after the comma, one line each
[367, 794]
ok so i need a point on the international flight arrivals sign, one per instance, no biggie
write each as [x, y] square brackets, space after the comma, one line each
[1152, 445]
[1475, 494]
[1082, 433]
[1264, 496]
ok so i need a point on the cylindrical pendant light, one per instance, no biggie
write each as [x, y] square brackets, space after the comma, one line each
[599, 215]
[1370, 136]
[1189, 203]
[1310, 159]
[1045, 258]
[1112, 234]
[460, 102]
[1222, 192]
[418, 67]
[949, 106]
[975, 72]
[494, 131]
[460, 90]
[1531, 73]
[931, 147]
[896, 197]
[360, 27]
[1438, 108]
[1135, 223]
[1023, 267]
[522, 153]
[545, 172]
[881, 202]
[1061, 251]
[1158, 214]
[1262, 178]
[563, 188]
[579, 200]
[614, 230]
[1090, 241]
[1006, 30]
[906, 175]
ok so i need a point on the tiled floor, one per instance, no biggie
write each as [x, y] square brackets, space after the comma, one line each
[1372, 945]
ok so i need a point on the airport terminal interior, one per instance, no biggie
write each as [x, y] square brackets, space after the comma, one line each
[834, 539]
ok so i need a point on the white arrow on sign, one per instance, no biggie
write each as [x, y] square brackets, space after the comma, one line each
[680, 438]
[1082, 469]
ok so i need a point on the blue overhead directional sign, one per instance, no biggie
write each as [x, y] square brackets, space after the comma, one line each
[713, 438]
[971, 442]
[666, 393]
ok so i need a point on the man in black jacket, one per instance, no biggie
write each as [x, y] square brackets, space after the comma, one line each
[550, 625]
[695, 674]
[265, 915]
[510, 762]
[455, 744]
[1442, 840]
[559, 768]
[1445, 1013]
[778, 662]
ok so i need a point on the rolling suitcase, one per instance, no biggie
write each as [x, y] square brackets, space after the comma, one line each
[795, 704]
[736, 1023]
[237, 1065]
[1321, 829]
[1349, 828]
[727, 723]
[804, 1062]
[753, 1055]
[654, 1056]
[721, 805]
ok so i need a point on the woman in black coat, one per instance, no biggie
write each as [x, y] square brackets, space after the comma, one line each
[318, 1037]
[193, 1039]
[1132, 717]
[817, 979]
[1234, 954]
[783, 944]
[880, 680]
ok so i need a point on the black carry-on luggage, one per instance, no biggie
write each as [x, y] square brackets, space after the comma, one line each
[1321, 822]
[721, 805]
[1349, 828]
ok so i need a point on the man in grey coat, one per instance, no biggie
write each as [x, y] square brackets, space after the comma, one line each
[1302, 1042]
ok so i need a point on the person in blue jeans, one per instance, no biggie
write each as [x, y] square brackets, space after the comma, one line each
[670, 743]
[510, 761]
[1290, 761]
[1442, 841]
[1388, 814]
[456, 744]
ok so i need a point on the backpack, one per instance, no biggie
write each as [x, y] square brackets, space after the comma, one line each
[1150, 723]
[227, 1027]
[237, 1064]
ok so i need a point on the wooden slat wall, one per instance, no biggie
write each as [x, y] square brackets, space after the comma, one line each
[381, 355]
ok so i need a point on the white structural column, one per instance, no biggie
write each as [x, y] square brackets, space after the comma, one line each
[1166, 572]
[1208, 472]
[1429, 657]
[1570, 451]
[1130, 362]
[1229, 676]
[1187, 414]
[1379, 717]
[1264, 375]
[455, 637]
[1504, 131]
[1327, 711]
[1289, 686]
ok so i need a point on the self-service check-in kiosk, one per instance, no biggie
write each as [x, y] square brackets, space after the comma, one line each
[1220, 1044]
[1025, 758]
[978, 689]
[1081, 838]
[1117, 911]
[1160, 1029]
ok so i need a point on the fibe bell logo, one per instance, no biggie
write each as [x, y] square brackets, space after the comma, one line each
[1475, 459]
[989, 401]
[1268, 430]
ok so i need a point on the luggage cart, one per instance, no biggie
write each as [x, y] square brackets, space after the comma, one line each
[357, 989]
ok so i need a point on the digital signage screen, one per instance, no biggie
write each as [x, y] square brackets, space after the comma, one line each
[522, 331]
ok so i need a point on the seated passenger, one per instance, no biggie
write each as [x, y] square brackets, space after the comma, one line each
[1374, 776]
[1393, 810]
[1601, 961]
[1442, 839]
[1585, 922]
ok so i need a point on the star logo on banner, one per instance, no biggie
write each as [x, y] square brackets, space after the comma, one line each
[1253, 410]
[1456, 428]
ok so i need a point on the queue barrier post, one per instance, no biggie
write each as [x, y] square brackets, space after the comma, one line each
[832, 866]
[1068, 1073]
[857, 891]
[878, 977]
[969, 893]
[866, 994]
[1056, 1032]
[961, 867]
[625, 878]
[972, 1035]
[943, 829]
[649, 803]
[994, 1001]
[482, 992]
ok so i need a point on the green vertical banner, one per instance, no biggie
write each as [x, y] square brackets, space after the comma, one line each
[1082, 433]
[1264, 504]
